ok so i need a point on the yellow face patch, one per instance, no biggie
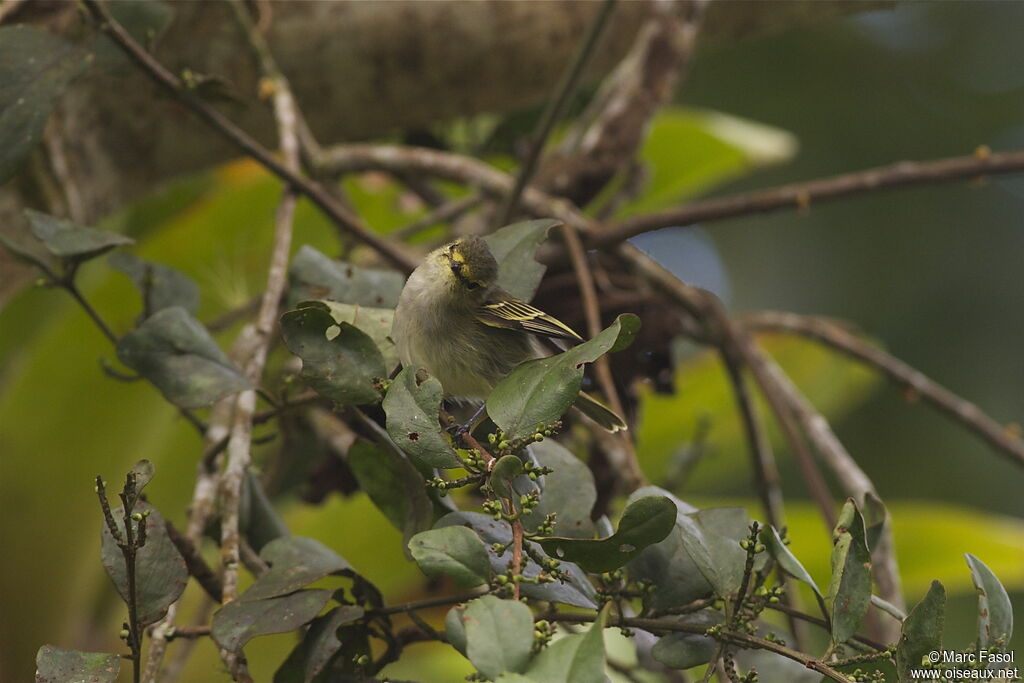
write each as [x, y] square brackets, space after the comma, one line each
[463, 271]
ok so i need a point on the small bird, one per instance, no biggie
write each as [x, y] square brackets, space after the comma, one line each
[455, 322]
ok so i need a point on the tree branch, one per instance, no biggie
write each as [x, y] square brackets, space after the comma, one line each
[803, 195]
[553, 111]
[287, 172]
[1000, 437]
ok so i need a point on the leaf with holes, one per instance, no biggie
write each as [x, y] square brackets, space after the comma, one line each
[375, 322]
[339, 361]
[160, 573]
[849, 592]
[412, 406]
[513, 247]
[644, 522]
[176, 353]
[57, 665]
[541, 391]
[239, 621]
[454, 551]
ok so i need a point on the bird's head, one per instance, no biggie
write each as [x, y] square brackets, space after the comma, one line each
[469, 264]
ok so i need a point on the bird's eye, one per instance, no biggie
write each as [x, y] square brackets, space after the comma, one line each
[472, 285]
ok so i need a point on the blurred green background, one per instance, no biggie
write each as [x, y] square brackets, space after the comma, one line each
[934, 273]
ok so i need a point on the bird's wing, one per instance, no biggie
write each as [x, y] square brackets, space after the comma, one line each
[513, 314]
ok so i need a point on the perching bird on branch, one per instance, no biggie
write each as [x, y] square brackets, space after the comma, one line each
[455, 322]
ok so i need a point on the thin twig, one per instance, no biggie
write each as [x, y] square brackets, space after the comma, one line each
[344, 218]
[554, 110]
[445, 213]
[258, 335]
[1001, 438]
[811, 619]
[727, 637]
[194, 562]
[803, 195]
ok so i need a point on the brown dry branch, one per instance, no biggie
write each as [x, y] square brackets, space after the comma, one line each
[801, 196]
[834, 336]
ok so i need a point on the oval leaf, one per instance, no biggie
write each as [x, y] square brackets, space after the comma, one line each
[160, 572]
[995, 613]
[56, 665]
[507, 468]
[568, 492]
[499, 635]
[239, 621]
[375, 322]
[712, 539]
[540, 391]
[69, 241]
[394, 485]
[921, 632]
[160, 286]
[513, 247]
[578, 658]
[576, 590]
[849, 592]
[175, 352]
[644, 522]
[455, 551]
[412, 406]
[295, 562]
[35, 67]
[345, 367]
[318, 646]
[313, 275]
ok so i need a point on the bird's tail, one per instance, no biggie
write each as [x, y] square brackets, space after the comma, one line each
[599, 413]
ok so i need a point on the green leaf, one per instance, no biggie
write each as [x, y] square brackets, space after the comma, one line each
[160, 573]
[507, 468]
[540, 391]
[568, 492]
[675, 578]
[313, 275]
[318, 646]
[455, 628]
[24, 254]
[175, 352]
[719, 147]
[394, 485]
[499, 635]
[295, 562]
[454, 551]
[375, 322]
[686, 650]
[712, 540]
[513, 247]
[339, 361]
[35, 68]
[849, 592]
[239, 621]
[577, 658]
[576, 590]
[995, 613]
[258, 519]
[921, 632]
[68, 241]
[160, 286]
[788, 562]
[143, 472]
[412, 405]
[57, 665]
[645, 521]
